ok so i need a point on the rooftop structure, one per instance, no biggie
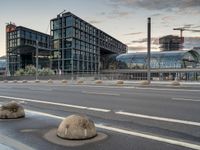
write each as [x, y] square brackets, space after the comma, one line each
[171, 43]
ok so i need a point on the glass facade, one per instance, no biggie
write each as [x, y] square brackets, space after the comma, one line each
[21, 46]
[77, 45]
[159, 60]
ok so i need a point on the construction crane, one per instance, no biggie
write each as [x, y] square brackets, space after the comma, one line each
[181, 29]
[185, 29]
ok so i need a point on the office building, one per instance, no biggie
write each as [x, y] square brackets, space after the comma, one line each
[21, 48]
[79, 47]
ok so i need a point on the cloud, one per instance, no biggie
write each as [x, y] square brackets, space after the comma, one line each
[168, 18]
[116, 13]
[140, 48]
[137, 48]
[156, 15]
[133, 33]
[95, 21]
[159, 4]
[154, 40]
[191, 42]
[188, 25]
[196, 27]
[140, 45]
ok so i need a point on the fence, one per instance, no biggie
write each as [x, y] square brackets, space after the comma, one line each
[117, 75]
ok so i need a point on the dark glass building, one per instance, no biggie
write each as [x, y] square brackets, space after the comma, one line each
[21, 48]
[78, 47]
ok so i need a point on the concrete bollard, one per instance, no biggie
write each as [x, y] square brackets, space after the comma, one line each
[24, 81]
[80, 82]
[145, 82]
[64, 81]
[175, 83]
[120, 82]
[50, 81]
[11, 110]
[37, 81]
[5, 81]
[98, 82]
[76, 127]
[15, 81]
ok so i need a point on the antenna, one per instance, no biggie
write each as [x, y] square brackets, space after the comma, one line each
[61, 12]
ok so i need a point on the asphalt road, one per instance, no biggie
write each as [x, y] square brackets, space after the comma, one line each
[134, 118]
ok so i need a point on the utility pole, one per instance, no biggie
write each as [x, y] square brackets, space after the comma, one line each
[149, 50]
[36, 57]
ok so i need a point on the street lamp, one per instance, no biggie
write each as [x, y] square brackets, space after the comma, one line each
[149, 50]
[36, 57]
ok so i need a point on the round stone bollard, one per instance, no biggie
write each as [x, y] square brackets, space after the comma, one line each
[120, 82]
[11, 110]
[175, 83]
[5, 81]
[50, 81]
[145, 82]
[24, 81]
[76, 127]
[98, 82]
[80, 82]
[37, 81]
[15, 81]
[64, 81]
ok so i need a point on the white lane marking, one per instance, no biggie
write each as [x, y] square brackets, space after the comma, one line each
[13, 143]
[159, 118]
[185, 99]
[167, 89]
[177, 142]
[97, 93]
[57, 104]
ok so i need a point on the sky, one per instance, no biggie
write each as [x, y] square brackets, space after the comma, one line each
[126, 20]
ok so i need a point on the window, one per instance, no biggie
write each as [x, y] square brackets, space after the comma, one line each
[67, 64]
[77, 44]
[27, 35]
[56, 24]
[82, 45]
[56, 44]
[33, 36]
[18, 42]
[78, 34]
[69, 32]
[68, 43]
[77, 23]
[69, 21]
[82, 36]
[67, 54]
[56, 34]
[83, 26]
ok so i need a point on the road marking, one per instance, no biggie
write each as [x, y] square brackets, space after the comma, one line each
[167, 89]
[159, 118]
[185, 99]
[177, 142]
[57, 104]
[96, 93]
[13, 143]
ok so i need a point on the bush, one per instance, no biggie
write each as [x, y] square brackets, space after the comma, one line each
[31, 70]
[46, 72]
[20, 72]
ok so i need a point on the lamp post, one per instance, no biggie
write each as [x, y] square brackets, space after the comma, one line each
[149, 50]
[36, 57]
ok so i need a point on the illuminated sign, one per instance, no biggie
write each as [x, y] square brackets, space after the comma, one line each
[10, 28]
